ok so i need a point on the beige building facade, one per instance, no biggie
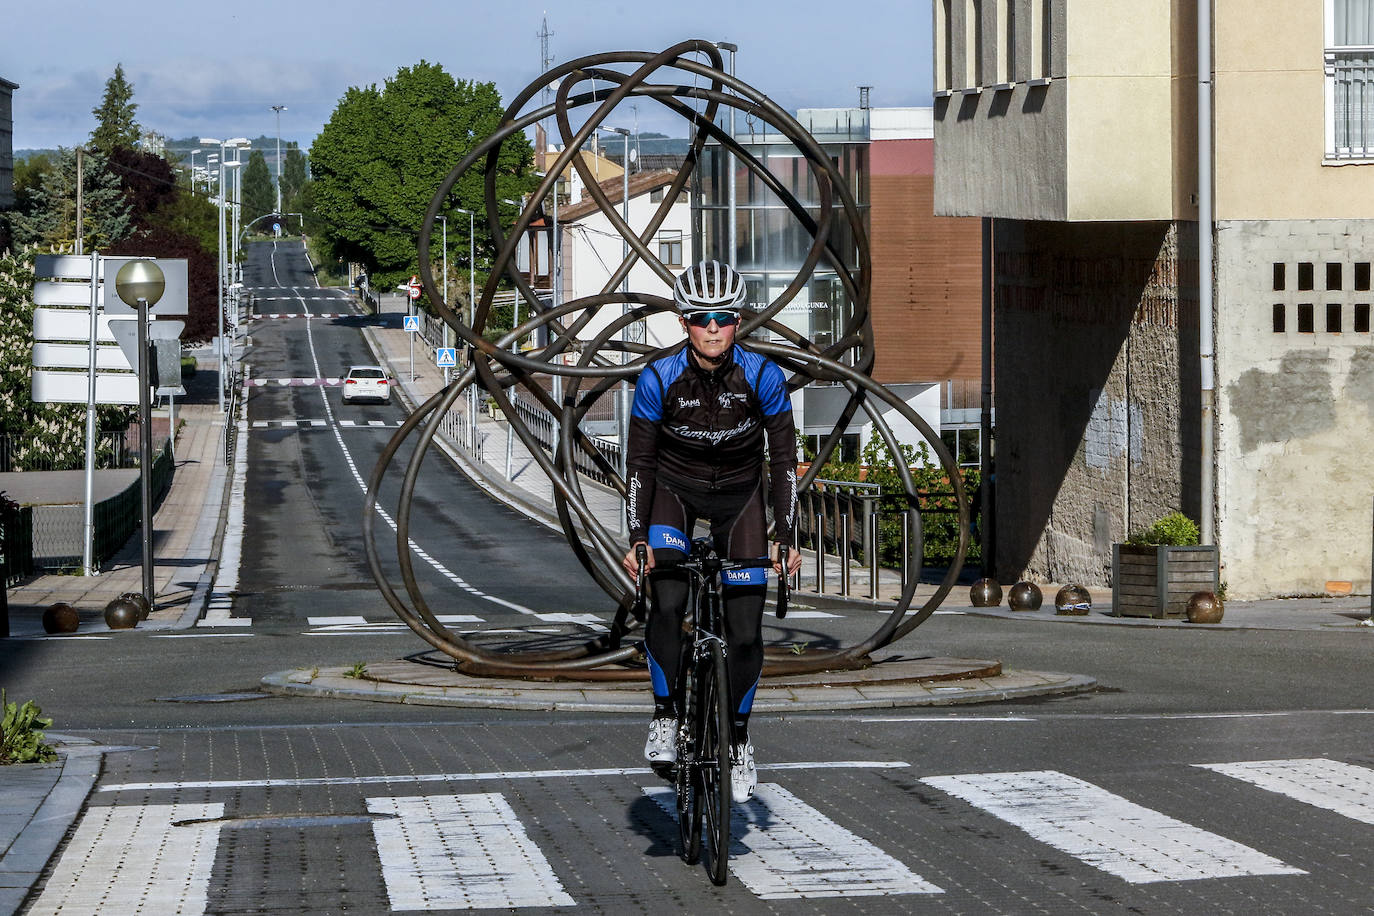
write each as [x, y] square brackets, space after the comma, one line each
[1073, 125]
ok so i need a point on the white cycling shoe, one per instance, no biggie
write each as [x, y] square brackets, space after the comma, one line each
[662, 744]
[743, 776]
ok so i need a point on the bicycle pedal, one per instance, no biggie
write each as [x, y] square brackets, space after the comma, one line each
[666, 771]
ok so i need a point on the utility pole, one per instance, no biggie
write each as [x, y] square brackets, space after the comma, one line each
[279, 109]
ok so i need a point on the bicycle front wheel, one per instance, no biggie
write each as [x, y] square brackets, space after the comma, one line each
[714, 749]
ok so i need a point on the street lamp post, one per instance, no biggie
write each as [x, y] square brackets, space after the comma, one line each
[472, 304]
[730, 163]
[624, 393]
[279, 109]
[141, 284]
[193, 171]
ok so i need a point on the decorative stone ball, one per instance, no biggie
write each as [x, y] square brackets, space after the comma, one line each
[137, 598]
[1204, 607]
[121, 614]
[1025, 596]
[1073, 600]
[60, 618]
[985, 593]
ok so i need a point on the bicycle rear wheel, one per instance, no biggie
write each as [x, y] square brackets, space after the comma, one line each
[687, 780]
[714, 757]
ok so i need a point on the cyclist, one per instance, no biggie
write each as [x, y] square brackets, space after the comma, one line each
[698, 429]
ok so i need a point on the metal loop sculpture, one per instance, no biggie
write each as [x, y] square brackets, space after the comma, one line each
[600, 82]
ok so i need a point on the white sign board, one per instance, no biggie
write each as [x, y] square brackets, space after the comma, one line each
[412, 323]
[78, 356]
[66, 324]
[446, 357]
[174, 295]
[53, 387]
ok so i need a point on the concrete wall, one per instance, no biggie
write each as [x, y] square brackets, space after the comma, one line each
[1295, 411]
[1096, 366]
[1270, 118]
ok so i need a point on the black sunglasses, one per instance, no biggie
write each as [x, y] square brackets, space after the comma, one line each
[704, 319]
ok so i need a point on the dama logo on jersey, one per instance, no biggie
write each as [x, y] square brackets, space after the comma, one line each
[757, 576]
[663, 536]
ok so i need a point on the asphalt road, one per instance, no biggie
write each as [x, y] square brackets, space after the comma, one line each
[1213, 771]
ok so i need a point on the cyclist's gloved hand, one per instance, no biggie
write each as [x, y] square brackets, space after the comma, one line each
[631, 561]
[794, 559]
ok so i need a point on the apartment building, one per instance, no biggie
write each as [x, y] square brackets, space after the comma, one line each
[1073, 125]
[7, 143]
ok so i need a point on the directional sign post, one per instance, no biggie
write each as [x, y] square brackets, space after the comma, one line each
[412, 326]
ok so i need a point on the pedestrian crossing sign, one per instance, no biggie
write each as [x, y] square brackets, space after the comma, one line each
[447, 358]
[412, 323]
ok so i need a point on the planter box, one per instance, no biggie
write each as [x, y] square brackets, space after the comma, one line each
[1158, 581]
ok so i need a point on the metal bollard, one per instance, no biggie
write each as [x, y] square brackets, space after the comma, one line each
[820, 550]
[875, 548]
[844, 552]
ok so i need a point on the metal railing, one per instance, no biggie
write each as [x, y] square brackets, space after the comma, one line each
[112, 450]
[231, 419]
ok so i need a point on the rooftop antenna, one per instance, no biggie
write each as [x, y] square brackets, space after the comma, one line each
[863, 96]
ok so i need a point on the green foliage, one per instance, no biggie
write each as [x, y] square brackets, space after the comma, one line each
[382, 155]
[938, 507]
[1173, 530]
[49, 218]
[259, 197]
[293, 178]
[115, 125]
[357, 670]
[43, 435]
[190, 215]
[21, 733]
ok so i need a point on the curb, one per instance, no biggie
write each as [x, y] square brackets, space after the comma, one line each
[568, 696]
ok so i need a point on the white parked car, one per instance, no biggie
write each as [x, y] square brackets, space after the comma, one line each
[366, 382]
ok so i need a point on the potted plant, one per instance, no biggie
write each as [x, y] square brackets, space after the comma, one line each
[1157, 570]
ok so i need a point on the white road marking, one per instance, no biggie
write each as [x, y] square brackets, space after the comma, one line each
[134, 859]
[1107, 831]
[946, 720]
[330, 621]
[1340, 787]
[782, 848]
[199, 635]
[444, 852]
[219, 609]
[590, 621]
[468, 777]
[809, 615]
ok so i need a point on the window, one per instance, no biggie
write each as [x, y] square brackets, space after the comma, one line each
[1006, 47]
[1349, 68]
[1305, 275]
[1040, 37]
[1333, 319]
[1362, 318]
[1362, 275]
[1279, 278]
[1305, 319]
[944, 45]
[973, 43]
[656, 196]
[1333, 276]
[670, 248]
[1280, 318]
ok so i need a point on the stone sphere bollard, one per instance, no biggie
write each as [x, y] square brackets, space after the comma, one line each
[1025, 596]
[1204, 607]
[121, 614]
[1073, 600]
[60, 618]
[144, 609]
[985, 593]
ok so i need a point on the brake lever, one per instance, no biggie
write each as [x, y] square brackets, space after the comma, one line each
[783, 581]
[640, 609]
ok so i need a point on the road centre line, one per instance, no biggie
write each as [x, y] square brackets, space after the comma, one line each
[362, 484]
[468, 777]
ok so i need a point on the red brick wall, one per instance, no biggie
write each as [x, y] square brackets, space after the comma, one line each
[927, 292]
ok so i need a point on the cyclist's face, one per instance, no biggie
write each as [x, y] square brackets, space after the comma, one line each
[711, 341]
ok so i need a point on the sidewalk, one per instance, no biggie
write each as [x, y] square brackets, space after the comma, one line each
[184, 535]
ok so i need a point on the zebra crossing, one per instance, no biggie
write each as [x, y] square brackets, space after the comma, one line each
[324, 424]
[455, 850]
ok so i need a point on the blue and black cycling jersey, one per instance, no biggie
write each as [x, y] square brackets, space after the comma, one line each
[704, 430]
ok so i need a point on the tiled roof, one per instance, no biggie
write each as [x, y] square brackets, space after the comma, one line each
[640, 184]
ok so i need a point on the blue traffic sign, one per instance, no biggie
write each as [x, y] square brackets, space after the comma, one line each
[446, 357]
[412, 323]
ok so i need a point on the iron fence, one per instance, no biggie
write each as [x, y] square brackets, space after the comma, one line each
[113, 449]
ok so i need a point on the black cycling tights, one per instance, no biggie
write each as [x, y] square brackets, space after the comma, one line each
[743, 612]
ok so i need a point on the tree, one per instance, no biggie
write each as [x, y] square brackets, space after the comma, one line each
[149, 182]
[115, 125]
[293, 177]
[379, 160]
[259, 198]
[50, 218]
[202, 294]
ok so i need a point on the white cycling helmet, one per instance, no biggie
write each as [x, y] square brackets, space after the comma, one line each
[707, 287]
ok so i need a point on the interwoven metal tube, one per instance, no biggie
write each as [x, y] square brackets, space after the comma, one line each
[595, 85]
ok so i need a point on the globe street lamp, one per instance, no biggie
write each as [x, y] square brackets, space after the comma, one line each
[140, 283]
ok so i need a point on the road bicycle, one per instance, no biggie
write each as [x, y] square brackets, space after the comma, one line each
[701, 776]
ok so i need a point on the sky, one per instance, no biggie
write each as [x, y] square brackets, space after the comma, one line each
[215, 70]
